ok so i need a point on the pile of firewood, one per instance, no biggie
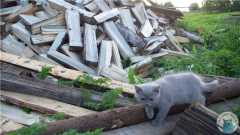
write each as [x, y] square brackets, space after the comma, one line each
[94, 36]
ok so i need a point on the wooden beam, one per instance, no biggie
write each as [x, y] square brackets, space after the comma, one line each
[58, 70]
[46, 106]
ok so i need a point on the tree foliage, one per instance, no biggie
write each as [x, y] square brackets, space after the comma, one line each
[194, 7]
[217, 5]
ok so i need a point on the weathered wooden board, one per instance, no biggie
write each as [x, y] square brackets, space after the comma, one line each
[8, 125]
[58, 70]
[19, 115]
[46, 106]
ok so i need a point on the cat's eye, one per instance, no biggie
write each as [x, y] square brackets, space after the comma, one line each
[151, 99]
[142, 98]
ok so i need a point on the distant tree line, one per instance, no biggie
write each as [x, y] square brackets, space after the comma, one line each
[208, 5]
[217, 5]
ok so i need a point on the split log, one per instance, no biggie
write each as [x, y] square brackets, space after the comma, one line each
[199, 120]
[119, 117]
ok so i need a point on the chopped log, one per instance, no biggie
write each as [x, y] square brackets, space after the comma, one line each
[58, 41]
[12, 82]
[127, 20]
[199, 120]
[11, 45]
[105, 55]
[73, 26]
[90, 44]
[131, 37]
[52, 29]
[9, 10]
[28, 9]
[104, 16]
[55, 20]
[59, 71]
[113, 32]
[30, 19]
[63, 5]
[116, 118]
[19, 30]
[42, 39]
[73, 63]
[116, 56]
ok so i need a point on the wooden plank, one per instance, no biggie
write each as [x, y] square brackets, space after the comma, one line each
[58, 70]
[19, 115]
[46, 106]
[8, 125]
[73, 26]
[20, 31]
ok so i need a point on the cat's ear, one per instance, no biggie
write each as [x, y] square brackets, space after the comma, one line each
[156, 90]
[138, 90]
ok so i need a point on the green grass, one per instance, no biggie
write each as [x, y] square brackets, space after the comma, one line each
[74, 132]
[220, 54]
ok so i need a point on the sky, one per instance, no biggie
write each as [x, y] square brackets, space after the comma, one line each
[181, 3]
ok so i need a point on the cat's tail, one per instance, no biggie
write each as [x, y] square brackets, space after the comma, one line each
[210, 87]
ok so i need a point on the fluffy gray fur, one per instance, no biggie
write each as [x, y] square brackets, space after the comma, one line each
[162, 94]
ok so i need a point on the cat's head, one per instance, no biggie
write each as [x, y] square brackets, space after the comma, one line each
[147, 94]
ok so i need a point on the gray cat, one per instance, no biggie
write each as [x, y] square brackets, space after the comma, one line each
[162, 94]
